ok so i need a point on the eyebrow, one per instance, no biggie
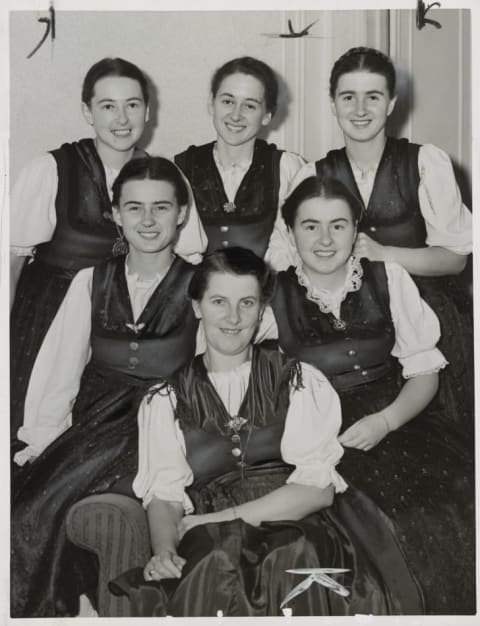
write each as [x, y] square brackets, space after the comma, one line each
[310, 220]
[230, 95]
[154, 202]
[113, 99]
[346, 92]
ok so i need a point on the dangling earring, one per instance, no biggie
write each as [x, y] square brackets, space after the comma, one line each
[120, 246]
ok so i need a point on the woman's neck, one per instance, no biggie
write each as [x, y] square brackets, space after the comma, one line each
[113, 158]
[331, 282]
[149, 265]
[231, 155]
[366, 155]
[215, 361]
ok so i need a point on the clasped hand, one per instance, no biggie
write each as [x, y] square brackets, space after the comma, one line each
[168, 564]
[367, 248]
[366, 433]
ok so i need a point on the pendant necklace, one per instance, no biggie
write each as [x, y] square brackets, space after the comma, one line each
[235, 424]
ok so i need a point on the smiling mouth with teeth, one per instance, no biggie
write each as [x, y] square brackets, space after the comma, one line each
[230, 331]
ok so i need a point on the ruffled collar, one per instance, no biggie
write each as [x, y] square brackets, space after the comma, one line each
[329, 301]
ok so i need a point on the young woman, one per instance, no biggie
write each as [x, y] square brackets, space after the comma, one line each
[349, 318]
[413, 212]
[121, 326]
[237, 471]
[61, 211]
[239, 181]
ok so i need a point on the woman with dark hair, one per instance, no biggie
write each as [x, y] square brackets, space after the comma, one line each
[363, 324]
[61, 212]
[122, 325]
[237, 471]
[413, 212]
[239, 181]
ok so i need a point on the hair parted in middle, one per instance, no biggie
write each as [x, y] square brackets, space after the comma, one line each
[235, 260]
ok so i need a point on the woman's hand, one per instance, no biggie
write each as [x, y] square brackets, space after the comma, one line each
[366, 433]
[166, 564]
[189, 521]
[367, 248]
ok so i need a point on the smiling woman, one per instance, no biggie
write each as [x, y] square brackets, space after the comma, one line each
[61, 212]
[122, 325]
[239, 180]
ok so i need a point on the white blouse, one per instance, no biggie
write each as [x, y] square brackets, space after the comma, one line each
[64, 353]
[448, 221]
[33, 216]
[417, 329]
[309, 440]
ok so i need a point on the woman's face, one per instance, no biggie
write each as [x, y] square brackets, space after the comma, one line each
[149, 214]
[230, 310]
[362, 105]
[239, 109]
[324, 233]
[117, 113]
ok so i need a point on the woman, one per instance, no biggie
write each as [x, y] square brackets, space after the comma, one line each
[358, 322]
[239, 181]
[413, 212]
[61, 211]
[121, 326]
[237, 457]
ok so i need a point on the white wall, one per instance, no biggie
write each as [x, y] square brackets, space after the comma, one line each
[179, 51]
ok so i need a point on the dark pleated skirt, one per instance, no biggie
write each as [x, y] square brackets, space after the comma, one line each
[47, 573]
[40, 291]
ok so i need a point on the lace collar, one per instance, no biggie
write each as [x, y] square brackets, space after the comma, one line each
[330, 301]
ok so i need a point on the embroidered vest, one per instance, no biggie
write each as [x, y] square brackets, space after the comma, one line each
[85, 232]
[163, 338]
[393, 215]
[358, 354]
[250, 222]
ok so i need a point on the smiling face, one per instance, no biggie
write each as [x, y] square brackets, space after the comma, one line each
[117, 112]
[239, 109]
[230, 309]
[149, 214]
[324, 234]
[362, 105]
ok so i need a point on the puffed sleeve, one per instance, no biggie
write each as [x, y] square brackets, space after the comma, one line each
[417, 329]
[447, 219]
[58, 368]
[311, 429]
[32, 205]
[278, 253]
[163, 471]
[192, 240]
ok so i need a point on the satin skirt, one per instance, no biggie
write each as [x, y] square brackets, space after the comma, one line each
[240, 569]
[48, 573]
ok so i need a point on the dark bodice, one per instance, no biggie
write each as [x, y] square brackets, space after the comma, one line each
[203, 416]
[355, 355]
[249, 223]
[163, 338]
[85, 232]
[393, 215]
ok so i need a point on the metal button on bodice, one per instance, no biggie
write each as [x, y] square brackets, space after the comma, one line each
[133, 360]
[224, 229]
[356, 366]
[225, 244]
[364, 372]
[373, 229]
[352, 353]
[133, 346]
